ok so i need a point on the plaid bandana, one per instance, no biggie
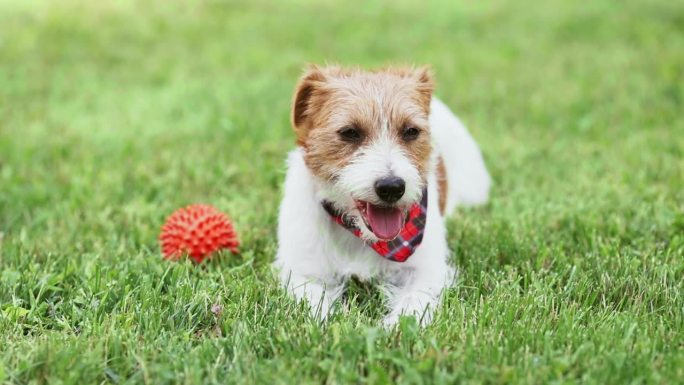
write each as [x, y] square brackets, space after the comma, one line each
[405, 244]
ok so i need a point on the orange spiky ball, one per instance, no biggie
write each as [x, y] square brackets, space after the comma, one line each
[198, 231]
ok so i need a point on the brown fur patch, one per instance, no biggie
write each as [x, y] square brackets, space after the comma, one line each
[442, 184]
[330, 99]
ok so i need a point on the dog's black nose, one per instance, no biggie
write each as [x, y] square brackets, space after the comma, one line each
[390, 189]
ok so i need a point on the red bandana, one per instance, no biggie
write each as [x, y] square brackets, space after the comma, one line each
[403, 245]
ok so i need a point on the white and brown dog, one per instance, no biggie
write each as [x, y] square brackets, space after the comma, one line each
[379, 163]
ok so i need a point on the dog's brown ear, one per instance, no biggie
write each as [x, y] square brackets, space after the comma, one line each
[301, 106]
[426, 85]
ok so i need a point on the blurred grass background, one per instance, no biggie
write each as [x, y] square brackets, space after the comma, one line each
[113, 114]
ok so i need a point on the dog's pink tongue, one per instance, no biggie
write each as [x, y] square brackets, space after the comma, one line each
[385, 222]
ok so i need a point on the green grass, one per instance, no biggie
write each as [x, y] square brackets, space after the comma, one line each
[113, 114]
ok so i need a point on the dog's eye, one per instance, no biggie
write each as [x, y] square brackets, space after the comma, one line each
[351, 134]
[410, 133]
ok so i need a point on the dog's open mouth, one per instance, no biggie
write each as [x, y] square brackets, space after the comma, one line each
[384, 222]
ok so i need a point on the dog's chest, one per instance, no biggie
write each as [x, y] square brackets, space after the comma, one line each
[350, 256]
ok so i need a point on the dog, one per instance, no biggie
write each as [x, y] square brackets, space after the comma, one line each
[379, 163]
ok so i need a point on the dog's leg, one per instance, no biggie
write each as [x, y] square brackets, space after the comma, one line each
[415, 287]
[303, 269]
[416, 292]
[319, 294]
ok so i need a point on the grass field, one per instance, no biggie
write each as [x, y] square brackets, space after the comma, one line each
[113, 114]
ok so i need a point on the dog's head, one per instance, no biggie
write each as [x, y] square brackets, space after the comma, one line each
[365, 137]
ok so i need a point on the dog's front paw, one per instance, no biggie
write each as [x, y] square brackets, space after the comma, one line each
[416, 305]
[320, 307]
[319, 297]
[391, 320]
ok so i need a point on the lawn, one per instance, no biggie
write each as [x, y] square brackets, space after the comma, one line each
[113, 114]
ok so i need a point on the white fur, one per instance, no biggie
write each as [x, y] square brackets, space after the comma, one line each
[467, 175]
[357, 179]
[316, 256]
